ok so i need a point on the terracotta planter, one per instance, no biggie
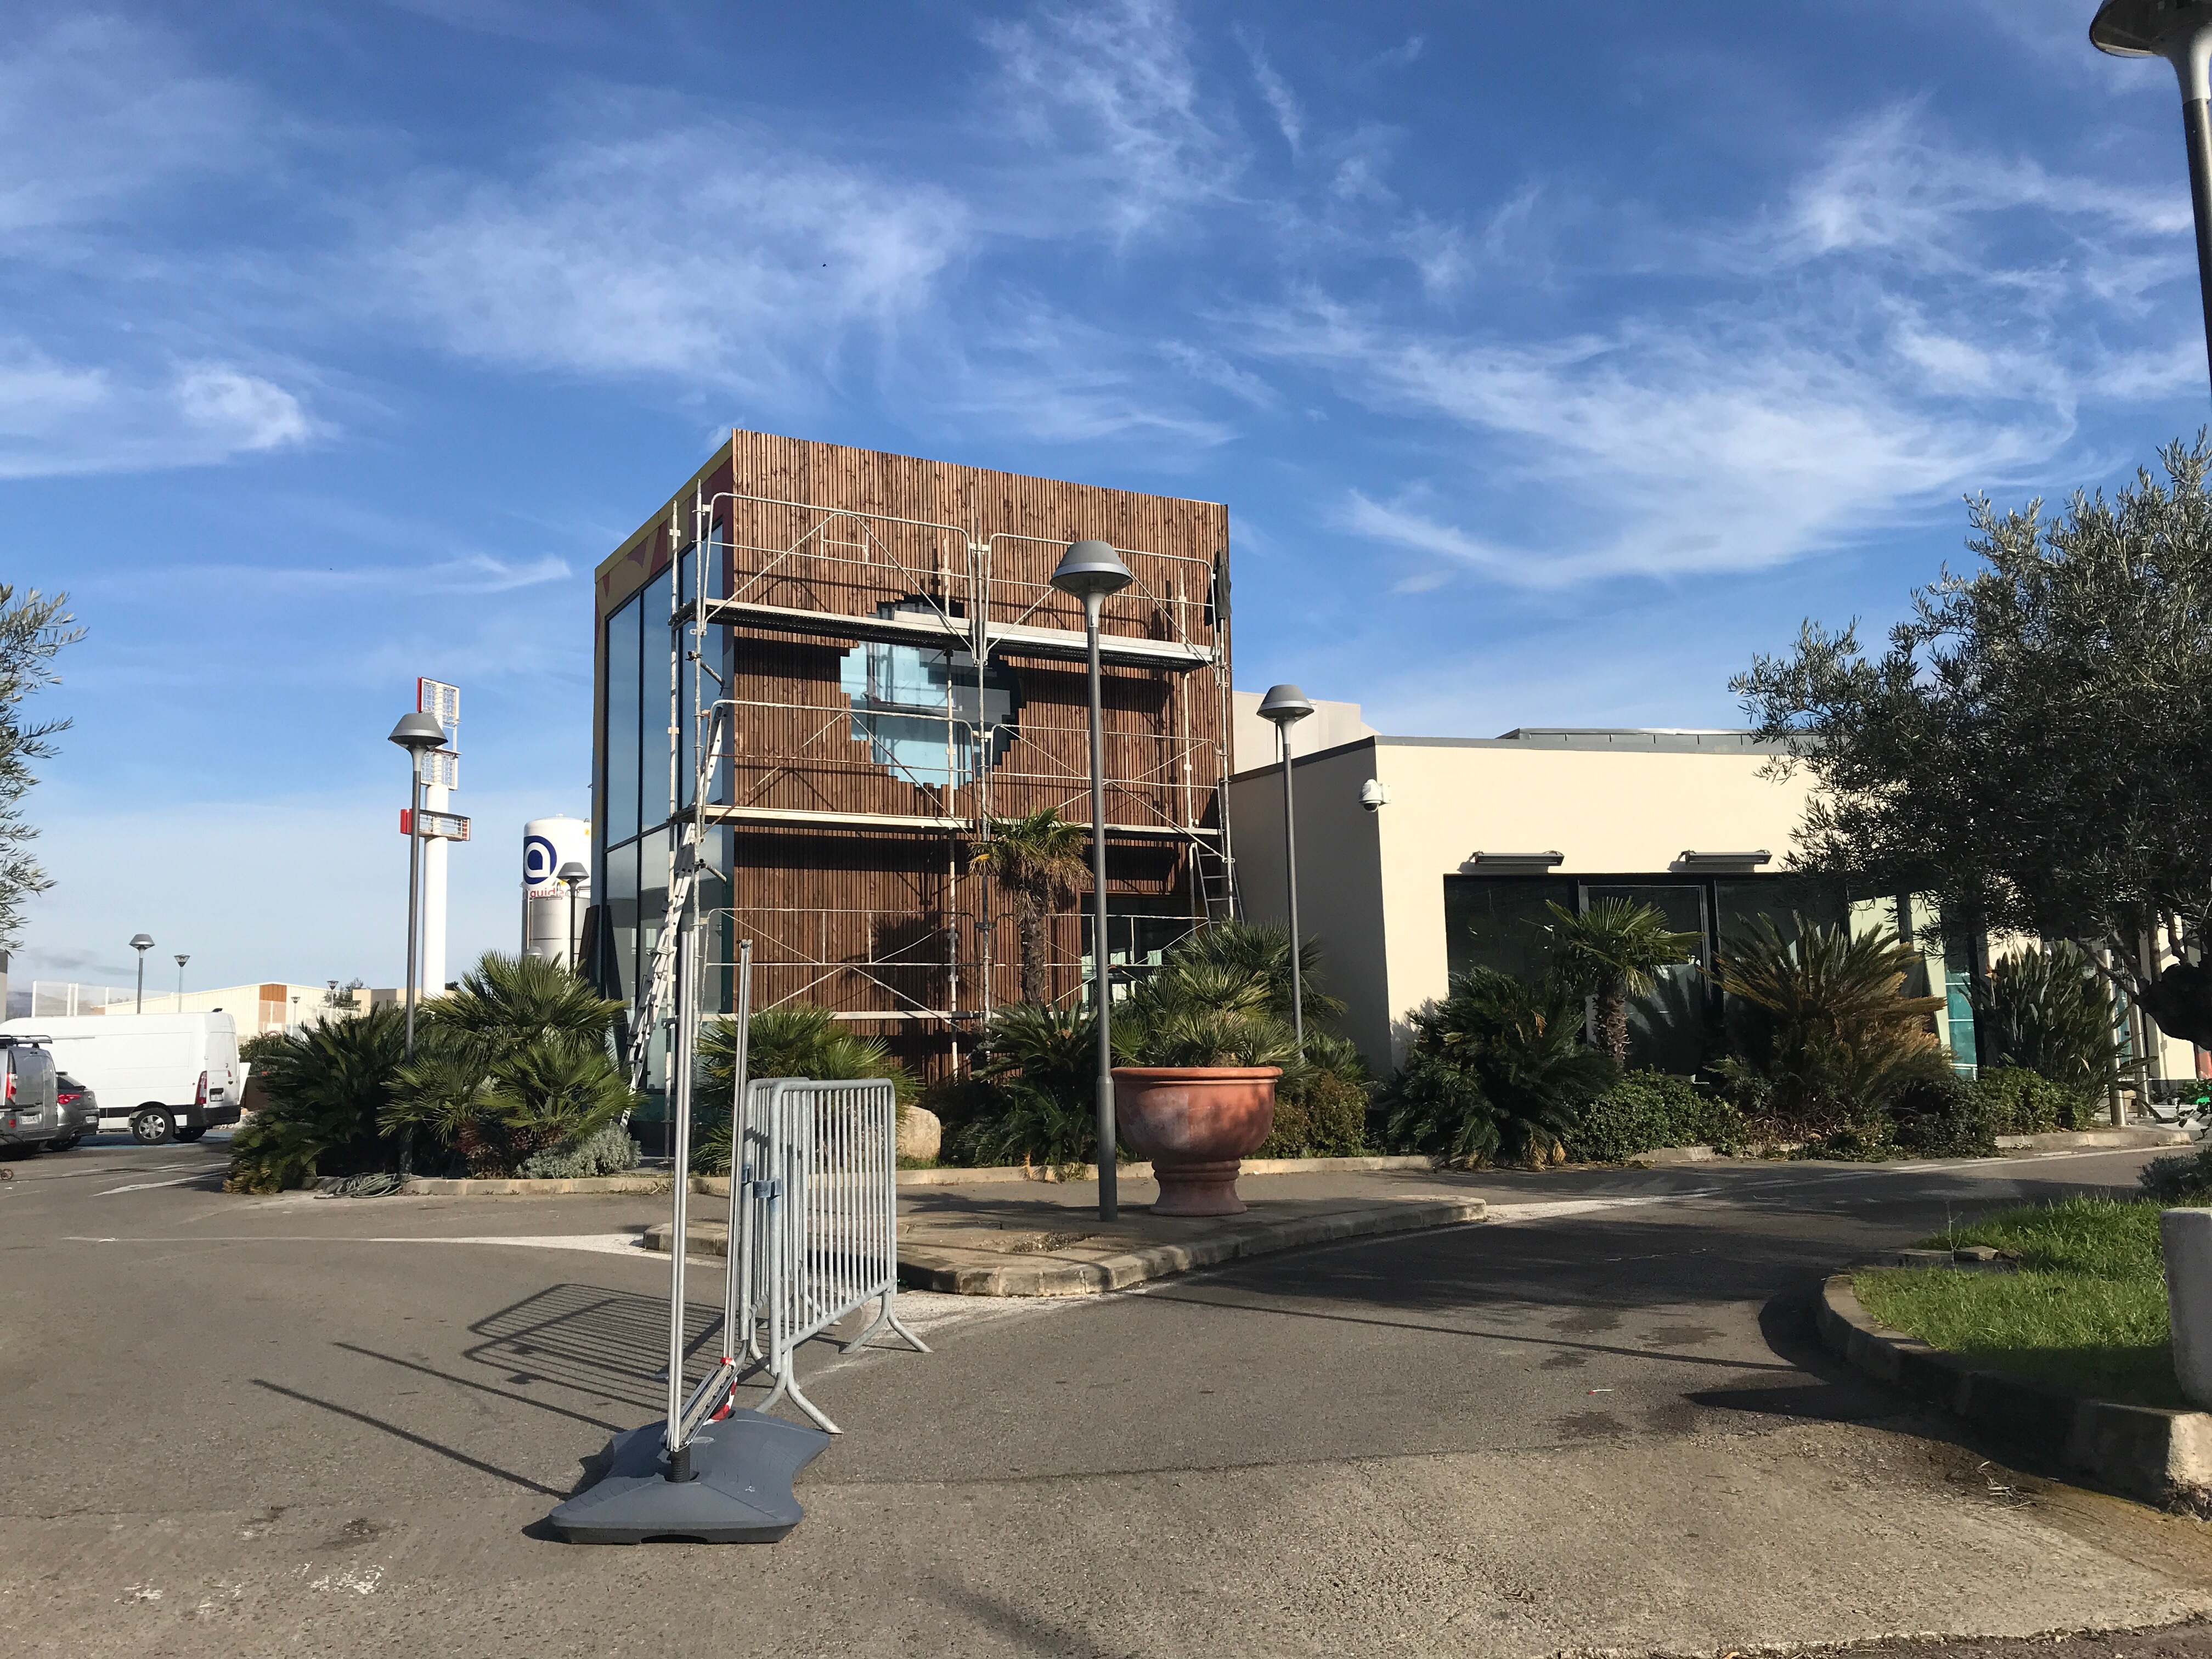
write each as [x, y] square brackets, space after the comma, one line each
[1195, 1123]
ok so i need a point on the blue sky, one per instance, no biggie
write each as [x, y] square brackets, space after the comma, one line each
[1546, 378]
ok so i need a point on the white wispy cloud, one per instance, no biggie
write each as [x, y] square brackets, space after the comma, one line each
[1663, 451]
[469, 572]
[1912, 325]
[1116, 112]
[711, 251]
[58, 418]
[1289, 117]
[99, 111]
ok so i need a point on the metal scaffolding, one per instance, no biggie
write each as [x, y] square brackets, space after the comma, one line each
[758, 762]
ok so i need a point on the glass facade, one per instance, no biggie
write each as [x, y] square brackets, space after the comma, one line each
[636, 793]
[1500, 921]
[920, 712]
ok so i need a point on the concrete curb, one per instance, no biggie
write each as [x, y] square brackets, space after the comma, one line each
[2066, 1139]
[426, 1186]
[921, 1267]
[655, 1180]
[2164, 1458]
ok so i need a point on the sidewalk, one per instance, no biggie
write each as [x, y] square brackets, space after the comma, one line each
[1049, 1241]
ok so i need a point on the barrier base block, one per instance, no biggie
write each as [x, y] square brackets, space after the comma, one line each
[739, 1493]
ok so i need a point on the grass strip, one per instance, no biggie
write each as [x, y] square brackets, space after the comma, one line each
[2085, 1311]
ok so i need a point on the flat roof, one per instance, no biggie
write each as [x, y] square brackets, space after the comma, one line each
[1665, 740]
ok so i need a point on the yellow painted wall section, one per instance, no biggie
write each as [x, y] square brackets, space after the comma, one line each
[1608, 812]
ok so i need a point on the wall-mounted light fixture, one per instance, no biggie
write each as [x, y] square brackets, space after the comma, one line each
[1516, 861]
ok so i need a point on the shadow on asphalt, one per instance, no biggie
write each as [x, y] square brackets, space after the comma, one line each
[452, 1453]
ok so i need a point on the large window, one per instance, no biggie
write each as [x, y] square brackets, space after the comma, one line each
[1500, 922]
[619, 783]
[920, 712]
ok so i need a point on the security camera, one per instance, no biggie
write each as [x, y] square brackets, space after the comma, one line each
[1372, 795]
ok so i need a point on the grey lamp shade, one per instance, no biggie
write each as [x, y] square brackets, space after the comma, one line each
[1284, 704]
[418, 731]
[573, 871]
[142, 942]
[1088, 568]
[2145, 29]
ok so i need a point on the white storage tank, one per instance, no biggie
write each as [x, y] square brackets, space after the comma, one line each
[547, 910]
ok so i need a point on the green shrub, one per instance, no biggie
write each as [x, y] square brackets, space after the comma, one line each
[1942, 1115]
[2024, 1102]
[2046, 1011]
[607, 1150]
[1498, 1071]
[1648, 1110]
[515, 1061]
[796, 1040]
[325, 1091]
[1328, 1120]
[1822, 1037]
[2178, 1178]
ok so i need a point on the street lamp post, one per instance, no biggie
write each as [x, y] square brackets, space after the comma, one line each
[418, 734]
[2180, 31]
[141, 943]
[1286, 705]
[1090, 571]
[568, 875]
[182, 959]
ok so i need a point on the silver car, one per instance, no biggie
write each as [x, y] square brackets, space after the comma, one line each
[79, 1112]
[30, 1096]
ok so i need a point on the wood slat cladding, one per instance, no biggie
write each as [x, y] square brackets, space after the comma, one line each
[858, 920]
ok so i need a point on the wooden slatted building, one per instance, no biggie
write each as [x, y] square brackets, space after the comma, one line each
[896, 672]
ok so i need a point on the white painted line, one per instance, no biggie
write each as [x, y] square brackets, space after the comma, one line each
[627, 1244]
[148, 1186]
[1553, 1209]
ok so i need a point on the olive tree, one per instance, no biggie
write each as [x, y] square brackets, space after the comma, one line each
[32, 630]
[2034, 748]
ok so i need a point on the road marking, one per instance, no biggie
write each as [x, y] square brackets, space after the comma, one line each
[1550, 1209]
[148, 1186]
[627, 1244]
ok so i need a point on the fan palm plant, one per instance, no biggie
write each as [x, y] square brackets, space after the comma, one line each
[795, 1040]
[1264, 953]
[1822, 1027]
[1616, 946]
[1499, 1068]
[323, 1090]
[513, 1063]
[1039, 860]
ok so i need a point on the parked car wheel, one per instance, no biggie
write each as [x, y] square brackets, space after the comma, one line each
[150, 1127]
[189, 1135]
[63, 1144]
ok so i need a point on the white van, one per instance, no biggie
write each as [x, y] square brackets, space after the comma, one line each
[160, 1074]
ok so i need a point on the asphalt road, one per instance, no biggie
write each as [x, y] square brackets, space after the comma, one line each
[241, 1426]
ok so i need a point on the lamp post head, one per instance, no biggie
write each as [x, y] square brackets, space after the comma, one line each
[1285, 705]
[419, 733]
[141, 943]
[2147, 28]
[183, 957]
[1090, 571]
[571, 872]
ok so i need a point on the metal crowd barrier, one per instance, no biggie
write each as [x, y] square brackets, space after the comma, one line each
[816, 1233]
[813, 1219]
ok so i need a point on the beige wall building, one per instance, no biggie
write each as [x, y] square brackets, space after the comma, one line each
[1471, 837]
[254, 1009]
[1420, 857]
